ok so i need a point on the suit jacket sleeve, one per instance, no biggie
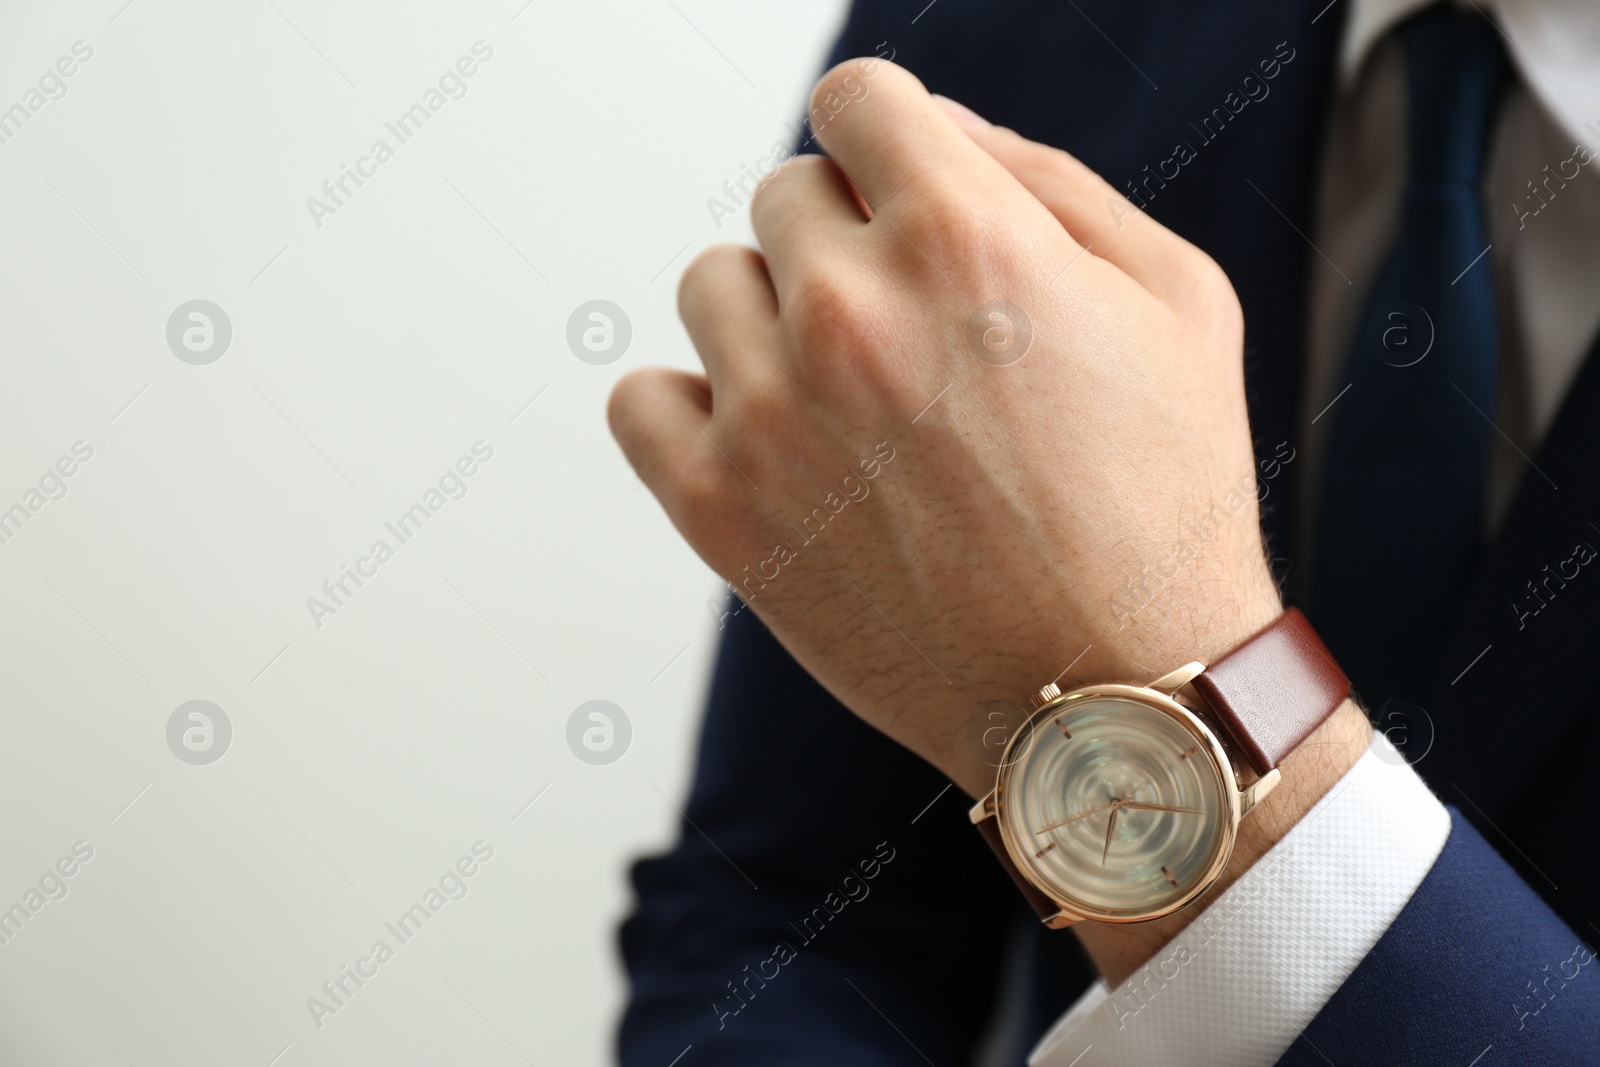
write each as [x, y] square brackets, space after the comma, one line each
[827, 902]
[1476, 965]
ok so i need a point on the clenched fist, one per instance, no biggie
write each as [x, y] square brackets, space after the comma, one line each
[968, 418]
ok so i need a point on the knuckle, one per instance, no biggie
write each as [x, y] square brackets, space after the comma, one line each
[689, 482]
[832, 320]
[1211, 294]
[706, 508]
[622, 406]
[1049, 165]
[949, 225]
[778, 188]
[700, 491]
[762, 415]
[696, 285]
[846, 342]
[843, 84]
[796, 166]
[772, 190]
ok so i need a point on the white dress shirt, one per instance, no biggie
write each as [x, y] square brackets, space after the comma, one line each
[1250, 973]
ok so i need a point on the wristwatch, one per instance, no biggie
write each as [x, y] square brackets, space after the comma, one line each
[1121, 803]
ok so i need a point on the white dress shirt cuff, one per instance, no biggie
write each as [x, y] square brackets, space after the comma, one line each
[1241, 982]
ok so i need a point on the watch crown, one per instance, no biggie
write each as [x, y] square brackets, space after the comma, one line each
[1045, 695]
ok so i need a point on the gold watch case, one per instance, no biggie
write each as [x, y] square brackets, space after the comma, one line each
[1162, 694]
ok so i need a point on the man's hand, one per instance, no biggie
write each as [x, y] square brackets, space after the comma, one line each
[969, 424]
[967, 419]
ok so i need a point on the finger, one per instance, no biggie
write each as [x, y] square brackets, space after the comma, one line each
[659, 418]
[897, 145]
[1097, 216]
[801, 215]
[727, 304]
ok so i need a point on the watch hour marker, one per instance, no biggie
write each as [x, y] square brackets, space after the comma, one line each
[1192, 750]
[1065, 732]
[1171, 879]
[1042, 851]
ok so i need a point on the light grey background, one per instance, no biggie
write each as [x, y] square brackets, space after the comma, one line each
[367, 355]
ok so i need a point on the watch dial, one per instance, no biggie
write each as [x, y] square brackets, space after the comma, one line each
[1118, 804]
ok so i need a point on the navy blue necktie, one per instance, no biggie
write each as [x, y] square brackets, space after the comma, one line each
[1400, 514]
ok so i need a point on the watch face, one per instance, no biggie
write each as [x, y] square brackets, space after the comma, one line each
[1119, 806]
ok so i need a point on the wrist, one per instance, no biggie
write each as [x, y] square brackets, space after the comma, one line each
[1136, 653]
[1207, 618]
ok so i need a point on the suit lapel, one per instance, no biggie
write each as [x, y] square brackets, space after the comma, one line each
[1518, 673]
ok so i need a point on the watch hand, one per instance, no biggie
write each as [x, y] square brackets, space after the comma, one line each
[1075, 818]
[1110, 826]
[1157, 807]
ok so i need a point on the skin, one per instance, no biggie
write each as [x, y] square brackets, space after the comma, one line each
[1091, 503]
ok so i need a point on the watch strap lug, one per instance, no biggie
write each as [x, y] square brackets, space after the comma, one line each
[988, 825]
[1257, 792]
[1172, 681]
[1271, 692]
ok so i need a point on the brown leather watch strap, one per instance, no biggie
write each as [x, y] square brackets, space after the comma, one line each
[1275, 689]
[1043, 905]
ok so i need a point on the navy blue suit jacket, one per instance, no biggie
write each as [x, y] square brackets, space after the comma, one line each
[847, 913]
